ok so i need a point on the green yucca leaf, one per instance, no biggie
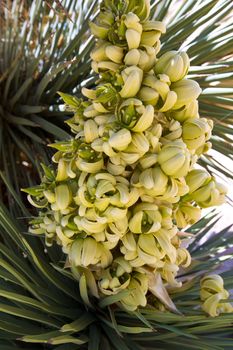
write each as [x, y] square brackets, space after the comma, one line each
[79, 324]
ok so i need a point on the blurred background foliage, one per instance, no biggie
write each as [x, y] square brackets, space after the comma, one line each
[44, 47]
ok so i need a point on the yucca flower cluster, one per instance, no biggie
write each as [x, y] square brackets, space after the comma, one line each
[126, 183]
[213, 295]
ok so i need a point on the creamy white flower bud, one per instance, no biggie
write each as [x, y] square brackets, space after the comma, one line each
[133, 38]
[62, 196]
[132, 57]
[145, 120]
[99, 53]
[50, 196]
[120, 140]
[169, 102]
[90, 131]
[186, 112]
[114, 53]
[100, 31]
[132, 81]
[148, 95]
[187, 91]
[62, 170]
[196, 132]
[138, 288]
[197, 178]
[139, 144]
[90, 167]
[212, 293]
[107, 65]
[131, 20]
[174, 159]
[151, 32]
[175, 64]
[186, 214]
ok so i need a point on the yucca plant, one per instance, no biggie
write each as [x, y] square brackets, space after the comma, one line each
[35, 280]
[44, 47]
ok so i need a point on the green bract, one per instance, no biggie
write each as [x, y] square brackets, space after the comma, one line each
[126, 182]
